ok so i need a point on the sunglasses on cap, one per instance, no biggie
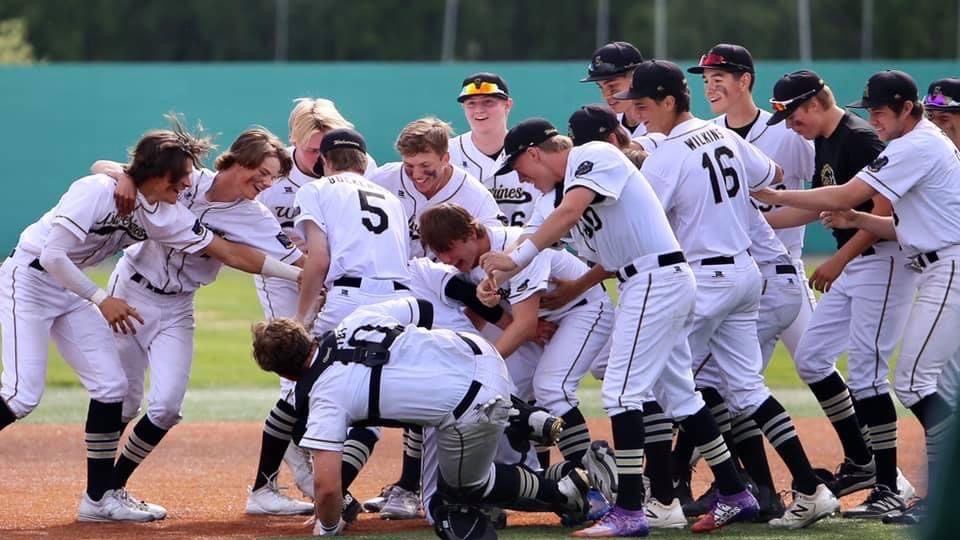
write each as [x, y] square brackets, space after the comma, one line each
[718, 60]
[940, 100]
[607, 68]
[781, 106]
[482, 89]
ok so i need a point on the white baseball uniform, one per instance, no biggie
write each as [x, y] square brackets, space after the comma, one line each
[649, 141]
[36, 307]
[366, 233]
[867, 306]
[637, 131]
[795, 155]
[462, 189]
[625, 229]
[465, 372]
[161, 284]
[920, 174]
[703, 174]
[583, 325]
[278, 297]
[514, 198]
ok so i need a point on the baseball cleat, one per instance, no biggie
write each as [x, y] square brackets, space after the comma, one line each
[662, 516]
[911, 516]
[851, 477]
[268, 500]
[401, 504]
[726, 510]
[374, 504]
[601, 465]
[158, 512]
[907, 492]
[771, 504]
[618, 522]
[703, 504]
[576, 488]
[301, 465]
[110, 507]
[881, 502]
[351, 508]
[807, 509]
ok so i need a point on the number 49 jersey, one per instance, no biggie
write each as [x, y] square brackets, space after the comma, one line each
[365, 225]
[703, 175]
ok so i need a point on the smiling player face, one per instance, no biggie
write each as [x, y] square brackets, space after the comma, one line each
[253, 181]
[486, 113]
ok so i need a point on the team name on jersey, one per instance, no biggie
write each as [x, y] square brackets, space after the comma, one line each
[702, 137]
[115, 222]
[516, 195]
[347, 180]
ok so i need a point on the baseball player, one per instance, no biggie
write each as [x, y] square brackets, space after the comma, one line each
[425, 177]
[728, 77]
[942, 104]
[919, 173]
[45, 295]
[162, 285]
[583, 324]
[657, 287]
[703, 174]
[611, 68]
[867, 293]
[486, 105]
[310, 120]
[369, 369]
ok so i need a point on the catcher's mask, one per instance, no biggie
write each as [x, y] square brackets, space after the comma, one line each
[459, 522]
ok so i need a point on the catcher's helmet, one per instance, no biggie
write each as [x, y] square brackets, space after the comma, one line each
[459, 522]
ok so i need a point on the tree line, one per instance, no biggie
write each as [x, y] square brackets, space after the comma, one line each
[487, 30]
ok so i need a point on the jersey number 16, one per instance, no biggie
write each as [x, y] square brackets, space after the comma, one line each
[731, 182]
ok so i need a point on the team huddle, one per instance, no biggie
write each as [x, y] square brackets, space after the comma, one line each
[459, 295]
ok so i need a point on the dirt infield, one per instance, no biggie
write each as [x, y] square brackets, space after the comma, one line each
[200, 473]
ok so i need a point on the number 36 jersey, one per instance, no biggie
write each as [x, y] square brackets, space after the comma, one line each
[703, 175]
[365, 226]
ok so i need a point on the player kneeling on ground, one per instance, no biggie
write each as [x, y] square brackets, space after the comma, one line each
[369, 371]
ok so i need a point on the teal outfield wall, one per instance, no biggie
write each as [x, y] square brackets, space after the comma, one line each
[59, 118]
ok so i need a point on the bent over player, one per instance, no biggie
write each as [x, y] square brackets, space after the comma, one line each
[369, 370]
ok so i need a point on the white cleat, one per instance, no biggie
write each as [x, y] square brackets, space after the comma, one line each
[400, 504]
[807, 509]
[110, 507]
[374, 504]
[268, 500]
[301, 465]
[158, 512]
[661, 516]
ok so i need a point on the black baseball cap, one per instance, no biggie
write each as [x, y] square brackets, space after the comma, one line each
[612, 60]
[592, 123]
[725, 56]
[887, 88]
[522, 136]
[655, 79]
[483, 84]
[791, 91]
[943, 95]
[342, 138]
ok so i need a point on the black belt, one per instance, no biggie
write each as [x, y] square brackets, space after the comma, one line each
[467, 399]
[138, 278]
[674, 257]
[924, 260]
[717, 261]
[350, 281]
[35, 264]
[786, 269]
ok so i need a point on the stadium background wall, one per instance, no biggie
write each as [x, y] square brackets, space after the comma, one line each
[58, 118]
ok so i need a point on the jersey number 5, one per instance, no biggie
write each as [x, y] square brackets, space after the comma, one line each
[382, 221]
[731, 182]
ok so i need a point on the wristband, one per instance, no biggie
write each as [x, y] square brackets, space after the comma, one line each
[275, 268]
[524, 253]
[99, 296]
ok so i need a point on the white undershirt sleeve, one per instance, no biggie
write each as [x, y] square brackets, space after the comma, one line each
[54, 259]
